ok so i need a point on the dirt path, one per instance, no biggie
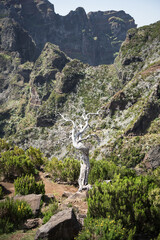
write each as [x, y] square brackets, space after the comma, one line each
[79, 204]
[56, 189]
[50, 187]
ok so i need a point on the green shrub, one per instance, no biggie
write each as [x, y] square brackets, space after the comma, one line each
[4, 145]
[15, 163]
[101, 229]
[104, 170]
[36, 157]
[1, 192]
[13, 214]
[27, 185]
[50, 211]
[128, 157]
[66, 170]
[129, 200]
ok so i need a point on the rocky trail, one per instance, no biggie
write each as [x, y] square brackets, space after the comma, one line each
[66, 195]
[60, 191]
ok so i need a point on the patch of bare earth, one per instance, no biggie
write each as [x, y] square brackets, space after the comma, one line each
[56, 189]
[78, 203]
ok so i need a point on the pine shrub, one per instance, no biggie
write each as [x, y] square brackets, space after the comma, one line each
[103, 228]
[66, 170]
[15, 163]
[129, 200]
[106, 170]
[27, 185]
[12, 214]
[35, 156]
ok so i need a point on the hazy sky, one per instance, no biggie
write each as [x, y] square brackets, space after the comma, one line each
[143, 11]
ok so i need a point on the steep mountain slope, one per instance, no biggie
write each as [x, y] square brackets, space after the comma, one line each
[94, 38]
[32, 94]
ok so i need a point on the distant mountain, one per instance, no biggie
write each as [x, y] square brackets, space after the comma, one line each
[93, 38]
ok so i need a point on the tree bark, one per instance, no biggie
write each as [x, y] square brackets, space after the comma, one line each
[77, 140]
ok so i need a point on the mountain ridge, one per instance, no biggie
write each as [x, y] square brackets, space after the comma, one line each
[94, 38]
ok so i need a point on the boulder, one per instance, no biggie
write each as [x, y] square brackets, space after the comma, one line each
[33, 200]
[32, 223]
[61, 226]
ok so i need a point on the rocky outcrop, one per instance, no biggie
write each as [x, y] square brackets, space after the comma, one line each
[62, 225]
[70, 77]
[93, 38]
[139, 49]
[15, 39]
[150, 162]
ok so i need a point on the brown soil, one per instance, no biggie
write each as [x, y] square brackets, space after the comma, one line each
[56, 189]
[50, 187]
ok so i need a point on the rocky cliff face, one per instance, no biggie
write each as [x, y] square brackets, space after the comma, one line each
[35, 86]
[93, 38]
[127, 92]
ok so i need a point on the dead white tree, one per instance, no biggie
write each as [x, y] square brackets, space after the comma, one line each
[78, 130]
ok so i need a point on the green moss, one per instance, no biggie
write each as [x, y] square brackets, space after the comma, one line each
[26, 66]
[140, 37]
[154, 127]
[115, 19]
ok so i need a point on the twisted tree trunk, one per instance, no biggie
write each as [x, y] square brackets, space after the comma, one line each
[77, 140]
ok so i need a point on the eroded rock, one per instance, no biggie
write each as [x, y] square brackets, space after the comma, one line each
[63, 225]
[150, 162]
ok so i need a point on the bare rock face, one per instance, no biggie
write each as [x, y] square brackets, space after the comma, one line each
[15, 39]
[93, 38]
[62, 225]
[151, 161]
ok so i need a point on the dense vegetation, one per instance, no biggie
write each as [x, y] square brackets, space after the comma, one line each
[27, 185]
[13, 214]
[15, 162]
[66, 170]
[126, 207]
[131, 204]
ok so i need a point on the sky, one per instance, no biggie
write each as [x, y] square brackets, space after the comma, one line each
[144, 12]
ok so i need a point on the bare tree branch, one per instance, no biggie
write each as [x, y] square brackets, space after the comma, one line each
[67, 119]
[90, 136]
[77, 140]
